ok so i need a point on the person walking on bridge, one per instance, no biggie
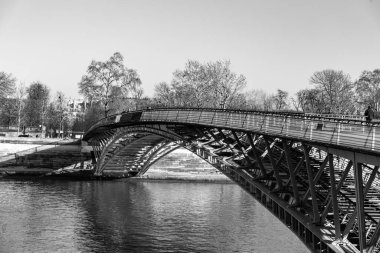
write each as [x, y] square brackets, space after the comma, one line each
[369, 114]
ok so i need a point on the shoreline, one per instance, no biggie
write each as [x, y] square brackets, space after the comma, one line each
[20, 172]
[183, 180]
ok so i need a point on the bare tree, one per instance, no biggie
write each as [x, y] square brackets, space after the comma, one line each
[336, 87]
[7, 84]
[368, 88]
[164, 94]
[36, 104]
[226, 83]
[256, 99]
[20, 96]
[62, 109]
[191, 85]
[280, 99]
[103, 79]
[311, 100]
[203, 85]
[132, 83]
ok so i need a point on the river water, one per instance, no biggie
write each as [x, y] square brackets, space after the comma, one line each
[136, 216]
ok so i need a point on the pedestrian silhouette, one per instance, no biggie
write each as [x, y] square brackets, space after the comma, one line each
[369, 114]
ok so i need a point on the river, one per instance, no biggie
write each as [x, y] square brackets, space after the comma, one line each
[136, 216]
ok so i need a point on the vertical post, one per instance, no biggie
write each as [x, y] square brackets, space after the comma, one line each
[316, 216]
[311, 130]
[334, 198]
[200, 116]
[291, 172]
[256, 154]
[358, 170]
[274, 166]
[338, 137]
[373, 138]
[287, 125]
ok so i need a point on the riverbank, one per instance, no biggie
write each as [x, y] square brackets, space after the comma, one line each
[72, 174]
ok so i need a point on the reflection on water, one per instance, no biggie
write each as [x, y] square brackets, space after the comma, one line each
[136, 216]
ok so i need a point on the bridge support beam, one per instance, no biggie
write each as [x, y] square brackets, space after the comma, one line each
[360, 205]
[316, 216]
[334, 198]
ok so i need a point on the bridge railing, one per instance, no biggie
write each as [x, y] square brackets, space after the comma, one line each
[348, 132]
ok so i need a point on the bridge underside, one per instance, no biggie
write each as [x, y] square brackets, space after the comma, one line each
[328, 197]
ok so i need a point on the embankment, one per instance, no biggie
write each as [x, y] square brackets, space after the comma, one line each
[34, 153]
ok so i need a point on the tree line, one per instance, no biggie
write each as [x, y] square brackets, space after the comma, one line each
[110, 87]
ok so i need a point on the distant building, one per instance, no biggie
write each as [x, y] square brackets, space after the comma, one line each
[77, 107]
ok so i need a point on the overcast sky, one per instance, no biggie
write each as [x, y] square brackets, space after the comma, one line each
[276, 44]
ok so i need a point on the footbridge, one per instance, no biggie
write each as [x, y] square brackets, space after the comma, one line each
[318, 174]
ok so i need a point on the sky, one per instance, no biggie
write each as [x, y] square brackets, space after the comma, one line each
[275, 44]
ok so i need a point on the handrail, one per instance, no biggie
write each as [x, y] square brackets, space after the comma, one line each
[331, 117]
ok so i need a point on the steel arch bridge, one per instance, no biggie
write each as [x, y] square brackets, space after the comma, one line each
[317, 174]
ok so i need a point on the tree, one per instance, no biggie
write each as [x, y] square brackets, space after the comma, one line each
[8, 112]
[132, 82]
[226, 83]
[280, 99]
[191, 85]
[164, 94]
[20, 95]
[367, 88]
[203, 85]
[256, 99]
[104, 81]
[92, 115]
[52, 120]
[62, 109]
[7, 85]
[336, 87]
[36, 104]
[311, 100]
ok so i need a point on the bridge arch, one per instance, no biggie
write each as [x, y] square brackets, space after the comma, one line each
[318, 175]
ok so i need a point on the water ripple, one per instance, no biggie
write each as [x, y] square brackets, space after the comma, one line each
[136, 216]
